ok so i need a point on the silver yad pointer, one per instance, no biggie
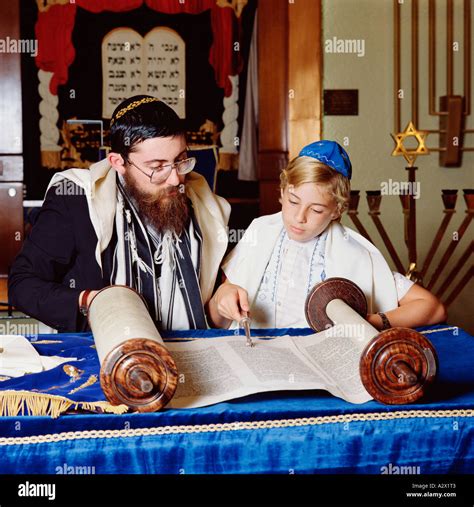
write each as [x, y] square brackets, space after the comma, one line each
[245, 323]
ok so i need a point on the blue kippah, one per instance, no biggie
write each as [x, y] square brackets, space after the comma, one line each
[330, 153]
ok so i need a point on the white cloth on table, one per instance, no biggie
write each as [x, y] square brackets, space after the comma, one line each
[18, 357]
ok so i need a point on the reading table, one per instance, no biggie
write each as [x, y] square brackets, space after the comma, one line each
[279, 432]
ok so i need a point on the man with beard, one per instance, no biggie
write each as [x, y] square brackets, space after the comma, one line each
[139, 218]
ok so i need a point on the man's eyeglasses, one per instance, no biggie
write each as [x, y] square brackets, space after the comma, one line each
[161, 173]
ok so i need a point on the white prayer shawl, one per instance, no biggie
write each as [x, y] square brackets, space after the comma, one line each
[211, 211]
[347, 254]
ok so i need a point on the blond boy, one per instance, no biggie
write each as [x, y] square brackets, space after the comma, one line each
[282, 256]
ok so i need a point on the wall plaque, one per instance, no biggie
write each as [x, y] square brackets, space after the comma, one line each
[341, 102]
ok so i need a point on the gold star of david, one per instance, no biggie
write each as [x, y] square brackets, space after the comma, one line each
[410, 154]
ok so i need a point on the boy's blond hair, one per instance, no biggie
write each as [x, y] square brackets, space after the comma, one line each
[309, 170]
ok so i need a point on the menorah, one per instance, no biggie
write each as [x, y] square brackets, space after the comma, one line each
[449, 198]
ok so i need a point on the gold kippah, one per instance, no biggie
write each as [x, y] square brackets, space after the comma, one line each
[131, 106]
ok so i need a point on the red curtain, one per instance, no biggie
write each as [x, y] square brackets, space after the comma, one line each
[56, 52]
[174, 7]
[109, 5]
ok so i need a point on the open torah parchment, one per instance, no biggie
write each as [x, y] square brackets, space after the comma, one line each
[213, 370]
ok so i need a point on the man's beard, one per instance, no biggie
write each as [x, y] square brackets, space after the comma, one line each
[167, 210]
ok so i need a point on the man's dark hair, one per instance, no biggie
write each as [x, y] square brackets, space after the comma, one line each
[144, 121]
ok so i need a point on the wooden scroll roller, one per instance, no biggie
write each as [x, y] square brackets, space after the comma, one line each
[397, 365]
[136, 368]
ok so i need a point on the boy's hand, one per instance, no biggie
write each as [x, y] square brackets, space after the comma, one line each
[232, 301]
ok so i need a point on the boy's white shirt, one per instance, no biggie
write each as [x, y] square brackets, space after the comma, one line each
[347, 254]
[211, 211]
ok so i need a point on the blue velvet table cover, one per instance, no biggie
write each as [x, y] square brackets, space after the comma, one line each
[279, 432]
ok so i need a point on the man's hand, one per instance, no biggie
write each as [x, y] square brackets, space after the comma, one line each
[92, 293]
[230, 302]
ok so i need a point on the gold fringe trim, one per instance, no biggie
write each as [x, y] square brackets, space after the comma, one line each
[237, 426]
[14, 403]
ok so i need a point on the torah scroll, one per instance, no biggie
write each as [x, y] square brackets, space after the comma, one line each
[397, 365]
[347, 357]
[136, 368]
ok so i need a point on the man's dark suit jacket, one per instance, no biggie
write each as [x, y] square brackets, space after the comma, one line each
[57, 262]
